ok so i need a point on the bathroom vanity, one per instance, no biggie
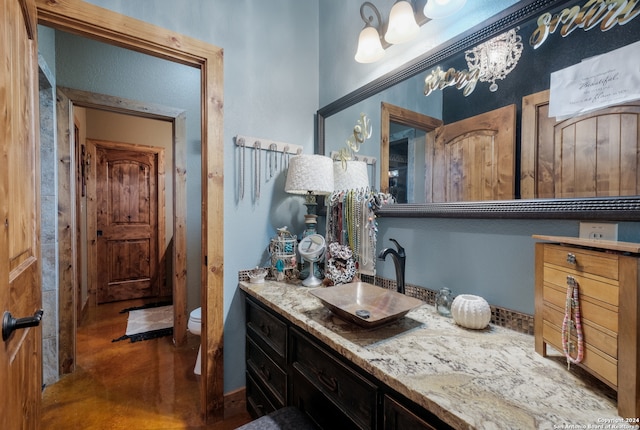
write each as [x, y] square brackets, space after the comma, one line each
[422, 371]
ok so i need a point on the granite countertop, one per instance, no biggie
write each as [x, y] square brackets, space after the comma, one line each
[484, 379]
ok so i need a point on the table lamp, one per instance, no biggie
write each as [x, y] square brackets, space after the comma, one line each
[310, 175]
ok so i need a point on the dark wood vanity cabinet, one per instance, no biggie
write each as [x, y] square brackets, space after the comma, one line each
[328, 377]
[266, 363]
[287, 366]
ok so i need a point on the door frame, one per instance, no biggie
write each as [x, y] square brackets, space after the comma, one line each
[93, 22]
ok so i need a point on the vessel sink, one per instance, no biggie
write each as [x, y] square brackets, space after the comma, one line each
[365, 304]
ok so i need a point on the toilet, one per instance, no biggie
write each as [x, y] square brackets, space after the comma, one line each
[194, 326]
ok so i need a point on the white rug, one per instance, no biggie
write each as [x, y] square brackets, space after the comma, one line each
[148, 323]
[150, 319]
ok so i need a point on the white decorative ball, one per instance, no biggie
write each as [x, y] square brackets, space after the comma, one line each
[471, 311]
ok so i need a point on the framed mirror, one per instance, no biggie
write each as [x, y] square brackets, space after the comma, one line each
[404, 89]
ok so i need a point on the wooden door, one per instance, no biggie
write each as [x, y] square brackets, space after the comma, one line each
[20, 277]
[591, 155]
[127, 224]
[473, 159]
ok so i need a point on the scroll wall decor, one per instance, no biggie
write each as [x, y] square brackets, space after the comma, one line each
[607, 13]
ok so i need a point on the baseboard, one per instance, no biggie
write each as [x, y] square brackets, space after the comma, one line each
[235, 403]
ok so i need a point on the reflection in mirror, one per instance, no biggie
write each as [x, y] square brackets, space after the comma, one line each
[402, 144]
[562, 48]
[403, 141]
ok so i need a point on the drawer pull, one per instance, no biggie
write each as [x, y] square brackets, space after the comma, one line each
[265, 329]
[328, 381]
[571, 258]
[265, 372]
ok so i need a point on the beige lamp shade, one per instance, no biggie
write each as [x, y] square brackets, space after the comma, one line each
[350, 175]
[310, 174]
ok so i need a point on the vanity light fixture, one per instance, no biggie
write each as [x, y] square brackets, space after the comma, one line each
[377, 35]
[403, 25]
[495, 58]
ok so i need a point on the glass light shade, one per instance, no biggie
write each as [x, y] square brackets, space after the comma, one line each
[402, 23]
[369, 46]
[310, 174]
[351, 175]
[438, 9]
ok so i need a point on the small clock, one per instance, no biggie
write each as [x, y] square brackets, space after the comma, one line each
[311, 248]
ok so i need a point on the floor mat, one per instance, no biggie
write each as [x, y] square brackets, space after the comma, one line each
[148, 323]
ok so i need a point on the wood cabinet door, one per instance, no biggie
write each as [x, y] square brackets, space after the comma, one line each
[127, 223]
[473, 159]
[20, 272]
[592, 155]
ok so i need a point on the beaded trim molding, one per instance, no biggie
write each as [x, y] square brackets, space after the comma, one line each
[503, 317]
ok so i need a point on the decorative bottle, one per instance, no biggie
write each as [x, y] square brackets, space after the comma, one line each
[443, 302]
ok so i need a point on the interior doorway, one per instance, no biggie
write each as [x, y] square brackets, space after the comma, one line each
[79, 289]
[101, 24]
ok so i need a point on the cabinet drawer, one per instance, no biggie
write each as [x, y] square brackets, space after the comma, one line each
[314, 403]
[267, 330]
[605, 340]
[597, 361]
[345, 388]
[597, 263]
[595, 288]
[591, 311]
[264, 370]
[399, 417]
[258, 403]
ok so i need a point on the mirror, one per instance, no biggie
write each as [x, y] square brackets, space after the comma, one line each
[404, 89]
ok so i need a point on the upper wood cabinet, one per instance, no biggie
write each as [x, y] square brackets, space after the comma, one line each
[592, 155]
[473, 159]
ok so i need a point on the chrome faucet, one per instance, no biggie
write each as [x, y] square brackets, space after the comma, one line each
[399, 258]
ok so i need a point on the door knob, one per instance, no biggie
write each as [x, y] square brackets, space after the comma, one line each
[10, 324]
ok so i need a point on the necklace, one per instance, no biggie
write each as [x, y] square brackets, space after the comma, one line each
[242, 156]
[572, 319]
[256, 178]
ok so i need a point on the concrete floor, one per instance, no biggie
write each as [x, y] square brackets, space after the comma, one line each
[121, 385]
